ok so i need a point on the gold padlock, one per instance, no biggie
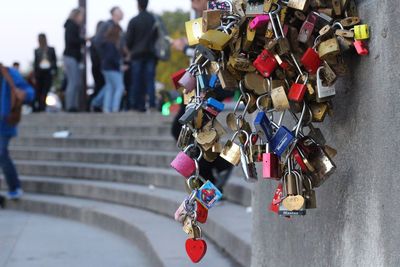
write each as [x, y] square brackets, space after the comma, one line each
[279, 99]
[248, 38]
[268, 5]
[361, 32]
[337, 7]
[211, 19]
[215, 40]
[328, 48]
[301, 5]
[231, 153]
[256, 83]
[319, 111]
[350, 21]
[194, 30]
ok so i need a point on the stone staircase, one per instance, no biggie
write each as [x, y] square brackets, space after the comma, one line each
[113, 172]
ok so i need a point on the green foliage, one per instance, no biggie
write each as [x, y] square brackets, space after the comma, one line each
[175, 23]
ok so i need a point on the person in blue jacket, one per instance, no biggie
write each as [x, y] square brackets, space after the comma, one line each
[7, 132]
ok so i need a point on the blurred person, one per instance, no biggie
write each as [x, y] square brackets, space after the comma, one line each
[117, 15]
[96, 70]
[111, 65]
[140, 40]
[218, 171]
[72, 58]
[45, 68]
[14, 92]
[16, 66]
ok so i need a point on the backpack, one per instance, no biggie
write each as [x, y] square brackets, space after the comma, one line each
[17, 98]
[162, 43]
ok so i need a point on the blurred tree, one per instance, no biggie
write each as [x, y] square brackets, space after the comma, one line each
[175, 23]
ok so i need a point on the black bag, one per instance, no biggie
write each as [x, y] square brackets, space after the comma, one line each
[162, 43]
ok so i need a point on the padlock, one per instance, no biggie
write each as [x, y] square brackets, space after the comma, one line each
[293, 187]
[324, 166]
[246, 160]
[281, 141]
[248, 38]
[231, 151]
[298, 90]
[276, 201]
[227, 80]
[271, 166]
[279, 99]
[316, 134]
[211, 19]
[194, 30]
[188, 81]
[350, 22]
[265, 63]
[309, 194]
[259, 22]
[213, 81]
[299, 160]
[184, 164]
[324, 93]
[220, 5]
[319, 111]
[328, 48]
[307, 28]
[184, 137]
[361, 48]
[256, 83]
[187, 208]
[176, 77]
[311, 61]
[241, 63]
[337, 7]
[282, 43]
[254, 8]
[301, 5]
[328, 74]
[263, 127]
[215, 39]
[201, 213]
[208, 195]
[190, 114]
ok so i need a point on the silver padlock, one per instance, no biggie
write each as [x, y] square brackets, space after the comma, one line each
[324, 93]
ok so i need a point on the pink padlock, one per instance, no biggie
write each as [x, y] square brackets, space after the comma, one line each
[361, 48]
[184, 164]
[259, 21]
[188, 81]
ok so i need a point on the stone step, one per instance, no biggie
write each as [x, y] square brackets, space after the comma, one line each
[105, 130]
[236, 190]
[142, 143]
[149, 158]
[122, 116]
[159, 238]
[233, 237]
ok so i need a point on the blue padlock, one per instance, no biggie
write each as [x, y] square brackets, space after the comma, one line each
[213, 81]
[215, 104]
[281, 141]
[203, 82]
[263, 127]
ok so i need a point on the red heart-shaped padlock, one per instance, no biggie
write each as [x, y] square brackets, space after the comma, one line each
[196, 249]
[202, 213]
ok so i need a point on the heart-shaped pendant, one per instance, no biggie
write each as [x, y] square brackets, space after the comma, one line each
[196, 249]
[292, 203]
[202, 213]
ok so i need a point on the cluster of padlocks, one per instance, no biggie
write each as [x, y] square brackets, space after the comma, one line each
[285, 58]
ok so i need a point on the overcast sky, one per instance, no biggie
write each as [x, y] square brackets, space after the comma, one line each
[22, 20]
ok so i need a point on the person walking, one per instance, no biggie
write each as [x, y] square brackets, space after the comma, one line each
[140, 39]
[112, 69]
[72, 58]
[14, 91]
[45, 68]
[117, 15]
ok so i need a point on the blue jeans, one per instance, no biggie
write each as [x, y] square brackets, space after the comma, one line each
[74, 83]
[143, 83]
[8, 167]
[98, 101]
[113, 91]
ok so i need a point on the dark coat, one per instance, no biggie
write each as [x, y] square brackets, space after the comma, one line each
[51, 56]
[73, 40]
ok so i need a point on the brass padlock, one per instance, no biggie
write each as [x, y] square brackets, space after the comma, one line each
[337, 7]
[231, 151]
[215, 40]
[211, 19]
[329, 48]
[227, 80]
[319, 111]
[194, 30]
[241, 63]
[248, 39]
[279, 99]
[301, 5]
[350, 22]
[256, 83]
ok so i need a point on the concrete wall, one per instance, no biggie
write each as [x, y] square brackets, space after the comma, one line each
[356, 223]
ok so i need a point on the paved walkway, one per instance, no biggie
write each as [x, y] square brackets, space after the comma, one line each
[41, 241]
